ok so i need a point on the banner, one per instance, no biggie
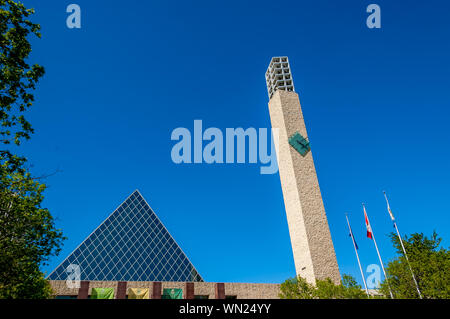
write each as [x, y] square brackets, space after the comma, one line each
[172, 293]
[138, 293]
[102, 293]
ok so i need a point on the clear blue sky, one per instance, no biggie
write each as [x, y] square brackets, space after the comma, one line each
[376, 104]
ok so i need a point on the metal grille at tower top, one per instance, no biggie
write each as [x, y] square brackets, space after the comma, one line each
[278, 76]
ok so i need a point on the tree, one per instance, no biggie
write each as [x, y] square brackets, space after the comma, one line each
[299, 288]
[430, 264]
[17, 77]
[28, 236]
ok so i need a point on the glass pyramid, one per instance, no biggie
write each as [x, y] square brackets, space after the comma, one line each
[130, 245]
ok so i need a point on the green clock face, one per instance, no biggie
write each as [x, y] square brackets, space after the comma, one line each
[299, 143]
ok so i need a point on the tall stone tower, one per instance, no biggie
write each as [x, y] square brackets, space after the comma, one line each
[312, 246]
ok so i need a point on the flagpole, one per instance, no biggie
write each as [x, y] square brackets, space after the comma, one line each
[379, 256]
[403, 247]
[357, 256]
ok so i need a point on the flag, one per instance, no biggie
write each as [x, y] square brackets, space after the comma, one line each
[390, 213]
[353, 237]
[389, 208]
[369, 228]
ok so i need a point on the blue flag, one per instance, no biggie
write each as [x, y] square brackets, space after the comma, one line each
[353, 237]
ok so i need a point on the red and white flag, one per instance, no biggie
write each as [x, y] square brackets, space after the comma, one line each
[369, 228]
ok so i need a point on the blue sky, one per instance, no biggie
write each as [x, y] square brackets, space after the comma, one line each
[376, 105]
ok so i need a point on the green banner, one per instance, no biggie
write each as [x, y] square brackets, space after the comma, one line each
[102, 293]
[172, 293]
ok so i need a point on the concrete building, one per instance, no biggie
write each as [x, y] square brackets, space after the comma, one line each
[312, 246]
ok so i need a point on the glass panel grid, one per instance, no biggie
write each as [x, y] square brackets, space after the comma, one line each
[132, 245]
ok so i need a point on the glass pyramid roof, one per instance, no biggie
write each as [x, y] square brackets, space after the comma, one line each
[130, 245]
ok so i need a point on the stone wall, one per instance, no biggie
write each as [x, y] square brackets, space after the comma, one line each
[312, 247]
[240, 290]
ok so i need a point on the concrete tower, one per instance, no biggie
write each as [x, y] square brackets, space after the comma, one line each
[312, 246]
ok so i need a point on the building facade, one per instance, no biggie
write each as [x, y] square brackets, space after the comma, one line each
[132, 244]
[190, 290]
[312, 247]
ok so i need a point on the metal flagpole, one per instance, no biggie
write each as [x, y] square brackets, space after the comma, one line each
[379, 256]
[357, 256]
[403, 247]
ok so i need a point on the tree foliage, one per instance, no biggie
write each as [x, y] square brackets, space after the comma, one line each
[430, 264]
[299, 288]
[17, 77]
[28, 236]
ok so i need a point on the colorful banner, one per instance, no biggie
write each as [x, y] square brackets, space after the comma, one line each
[172, 293]
[138, 293]
[102, 293]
